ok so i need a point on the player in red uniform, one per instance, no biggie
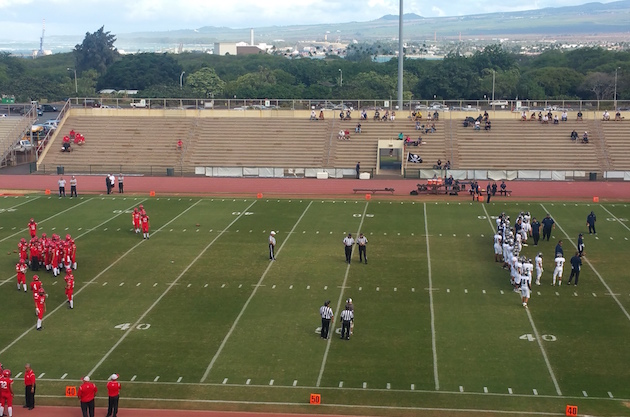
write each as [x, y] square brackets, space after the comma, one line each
[145, 226]
[6, 392]
[56, 257]
[41, 308]
[73, 254]
[32, 227]
[67, 263]
[69, 278]
[20, 270]
[136, 220]
[23, 249]
[34, 252]
[36, 285]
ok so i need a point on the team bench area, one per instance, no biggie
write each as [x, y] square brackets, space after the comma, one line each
[373, 190]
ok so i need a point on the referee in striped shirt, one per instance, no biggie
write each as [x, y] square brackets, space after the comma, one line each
[327, 314]
[347, 317]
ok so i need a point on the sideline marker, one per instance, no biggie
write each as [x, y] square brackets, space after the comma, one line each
[595, 199]
[259, 195]
[152, 193]
[316, 399]
[47, 192]
[368, 196]
[71, 391]
[571, 410]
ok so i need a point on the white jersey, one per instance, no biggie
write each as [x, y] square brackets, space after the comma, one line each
[498, 248]
[527, 269]
[525, 285]
[559, 262]
[539, 263]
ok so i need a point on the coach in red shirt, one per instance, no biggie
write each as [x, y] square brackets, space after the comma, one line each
[86, 394]
[29, 387]
[113, 391]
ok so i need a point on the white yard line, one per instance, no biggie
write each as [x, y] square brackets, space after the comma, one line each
[21, 204]
[331, 331]
[174, 283]
[433, 341]
[615, 217]
[240, 314]
[96, 277]
[535, 330]
[610, 291]
[82, 234]
[48, 218]
[353, 407]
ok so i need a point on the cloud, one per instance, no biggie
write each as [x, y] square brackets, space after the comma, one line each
[438, 11]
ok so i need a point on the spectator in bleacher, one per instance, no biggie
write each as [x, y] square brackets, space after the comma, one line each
[431, 129]
[180, 145]
[486, 116]
[385, 116]
[418, 125]
[436, 115]
[585, 137]
[392, 117]
[321, 115]
[606, 116]
[341, 115]
[401, 136]
[357, 129]
[447, 165]
[565, 116]
[313, 115]
[494, 188]
[574, 135]
[618, 117]
[477, 125]
[438, 164]
[549, 115]
[545, 119]
[540, 116]
[341, 135]
[348, 115]
[488, 125]
[346, 134]
[533, 116]
[579, 115]
[523, 116]
[377, 115]
[555, 120]
[358, 169]
[363, 115]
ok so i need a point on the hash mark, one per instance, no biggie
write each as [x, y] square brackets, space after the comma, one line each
[610, 394]
[365, 385]
[389, 386]
[189, 285]
[248, 381]
[240, 285]
[121, 284]
[485, 390]
[413, 290]
[295, 382]
[271, 382]
[179, 379]
[413, 387]
[225, 380]
[465, 291]
[360, 288]
[133, 378]
[483, 291]
[535, 391]
[138, 284]
[557, 293]
[156, 378]
[104, 284]
[291, 286]
[223, 286]
[308, 287]
[325, 287]
[273, 286]
[584, 393]
[461, 388]
[509, 390]
[378, 289]
[62, 376]
[395, 289]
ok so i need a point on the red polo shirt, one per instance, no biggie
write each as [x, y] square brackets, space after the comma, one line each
[29, 378]
[87, 391]
[113, 388]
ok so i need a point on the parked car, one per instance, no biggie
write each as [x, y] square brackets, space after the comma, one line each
[47, 108]
[51, 124]
[23, 145]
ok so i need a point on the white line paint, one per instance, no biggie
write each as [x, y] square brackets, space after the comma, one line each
[295, 382]
[133, 378]
[461, 388]
[345, 280]
[510, 391]
[291, 286]
[610, 394]
[156, 378]
[595, 295]
[531, 322]
[413, 387]
[248, 381]
[64, 376]
[271, 382]
[253, 293]
[157, 300]
[180, 379]
[623, 309]
[389, 386]
[485, 390]
[105, 283]
[433, 333]
[121, 284]
[465, 291]
[364, 385]
[340, 384]
[225, 380]
[584, 393]
[41, 375]
[18, 375]
[535, 391]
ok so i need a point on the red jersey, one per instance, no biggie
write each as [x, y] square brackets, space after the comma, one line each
[6, 387]
[86, 392]
[69, 278]
[145, 222]
[23, 250]
[32, 228]
[36, 286]
[113, 388]
[135, 218]
[41, 306]
[21, 268]
[29, 377]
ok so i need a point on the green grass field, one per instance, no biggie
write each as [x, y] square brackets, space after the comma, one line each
[198, 317]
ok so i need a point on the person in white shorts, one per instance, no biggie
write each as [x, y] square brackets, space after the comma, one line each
[498, 249]
[557, 272]
[526, 287]
[539, 267]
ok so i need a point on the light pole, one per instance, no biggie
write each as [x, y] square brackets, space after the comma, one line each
[615, 95]
[76, 86]
[181, 79]
[340, 78]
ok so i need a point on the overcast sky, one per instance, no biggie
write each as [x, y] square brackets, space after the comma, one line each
[22, 19]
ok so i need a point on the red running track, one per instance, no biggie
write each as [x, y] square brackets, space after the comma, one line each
[306, 187]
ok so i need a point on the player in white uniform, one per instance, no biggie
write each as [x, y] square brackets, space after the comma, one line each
[539, 267]
[498, 248]
[518, 245]
[516, 277]
[507, 253]
[557, 272]
[528, 267]
[526, 287]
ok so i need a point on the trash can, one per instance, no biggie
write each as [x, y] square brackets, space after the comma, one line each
[60, 170]
[170, 172]
[592, 176]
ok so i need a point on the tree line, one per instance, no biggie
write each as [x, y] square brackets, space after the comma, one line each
[579, 74]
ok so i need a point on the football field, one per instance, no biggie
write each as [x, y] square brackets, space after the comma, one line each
[198, 317]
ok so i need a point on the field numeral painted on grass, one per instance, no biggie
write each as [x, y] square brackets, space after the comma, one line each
[546, 337]
[127, 326]
[319, 330]
[7, 210]
[238, 213]
[484, 217]
[123, 211]
[359, 215]
[621, 219]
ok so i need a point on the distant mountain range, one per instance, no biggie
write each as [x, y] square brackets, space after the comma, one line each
[587, 19]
